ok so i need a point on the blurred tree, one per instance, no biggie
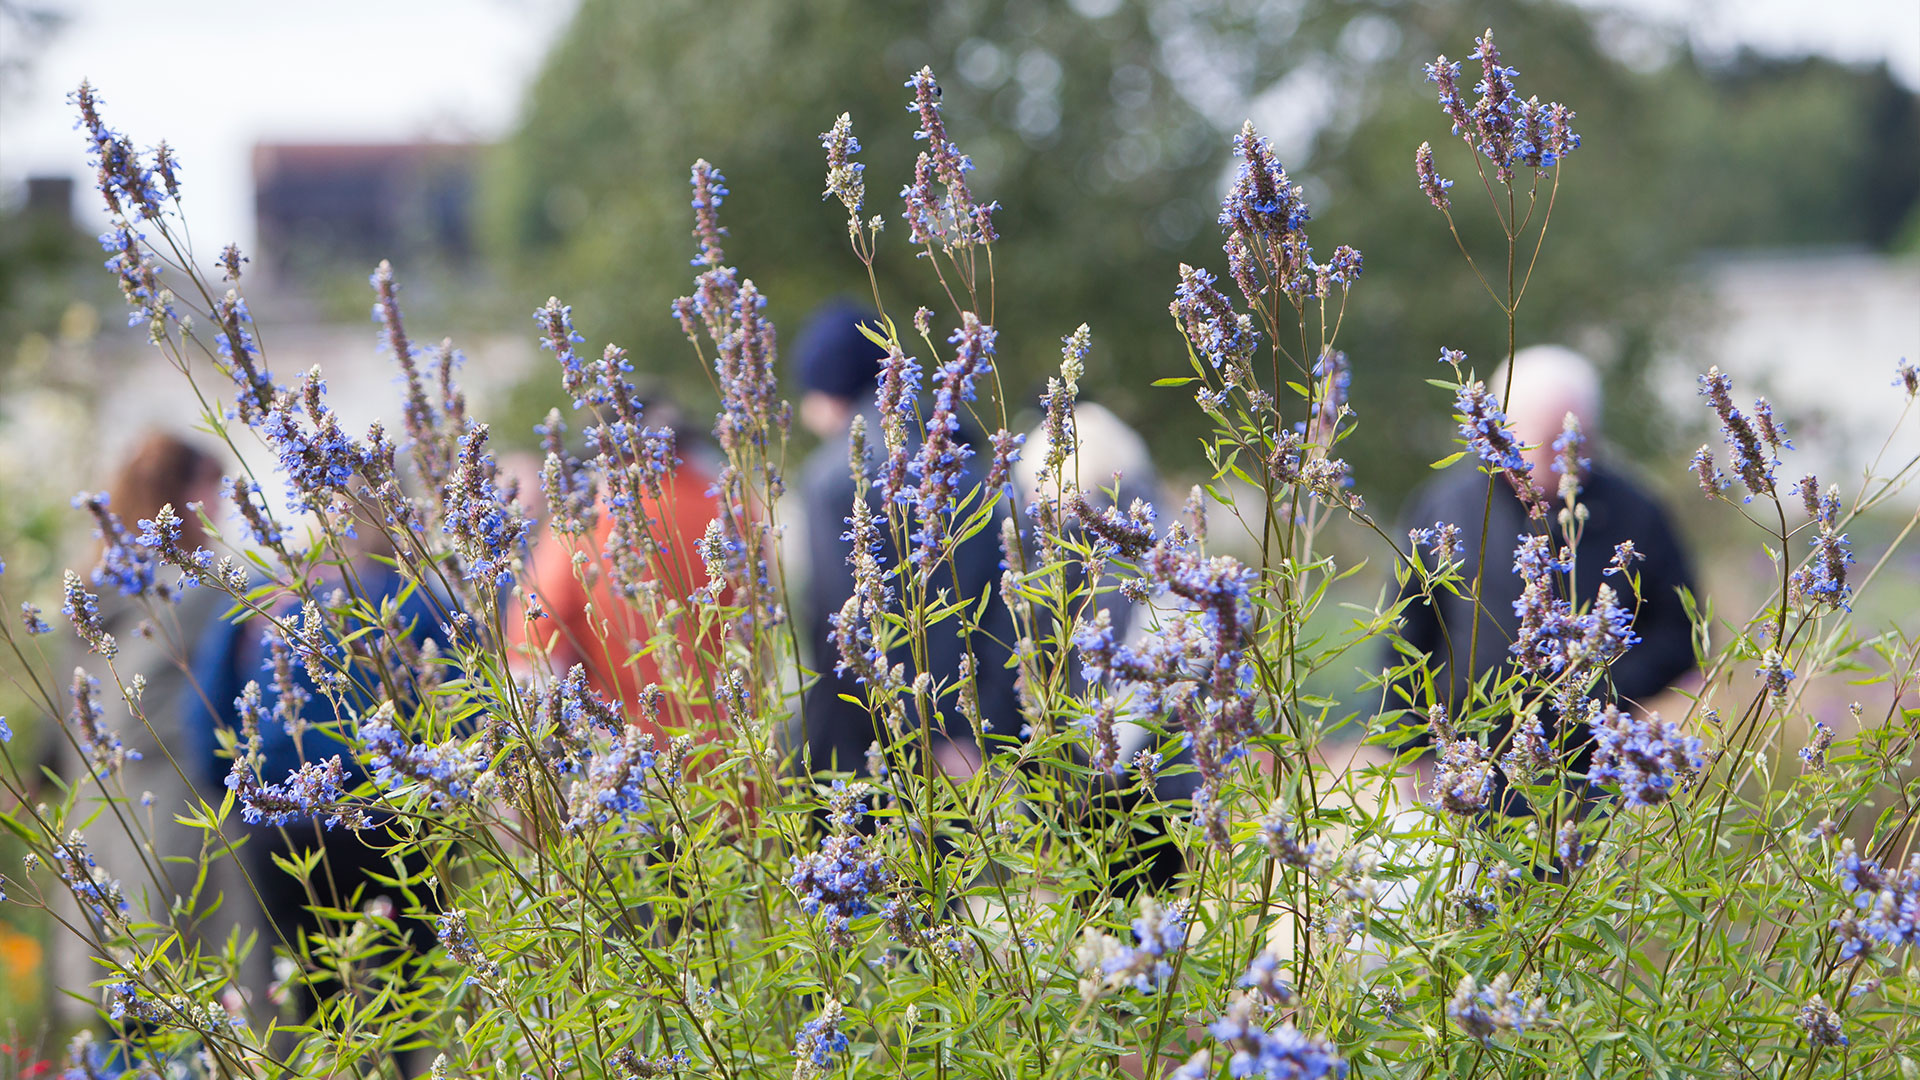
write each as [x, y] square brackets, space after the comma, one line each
[1103, 126]
[1104, 170]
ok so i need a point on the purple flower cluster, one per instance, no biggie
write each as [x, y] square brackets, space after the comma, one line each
[839, 882]
[631, 461]
[89, 883]
[1128, 533]
[247, 500]
[952, 220]
[104, 752]
[1486, 432]
[845, 177]
[456, 936]
[1889, 901]
[1159, 933]
[316, 458]
[315, 790]
[138, 274]
[431, 447]
[1550, 639]
[447, 769]
[284, 663]
[125, 562]
[31, 620]
[731, 313]
[124, 179]
[1263, 200]
[489, 530]
[162, 535]
[939, 468]
[1287, 843]
[1754, 444]
[1508, 131]
[853, 625]
[1823, 580]
[82, 608]
[1265, 217]
[1432, 184]
[1463, 780]
[570, 484]
[1646, 757]
[1441, 539]
[1285, 1053]
[1530, 754]
[614, 782]
[820, 1039]
[635, 1067]
[1821, 1022]
[124, 999]
[1195, 667]
[1483, 1012]
[1225, 337]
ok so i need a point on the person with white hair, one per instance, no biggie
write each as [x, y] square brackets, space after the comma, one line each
[1552, 390]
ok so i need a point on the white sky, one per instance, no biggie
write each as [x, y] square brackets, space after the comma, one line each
[213, 77]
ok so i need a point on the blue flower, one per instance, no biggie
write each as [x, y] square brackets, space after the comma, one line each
[613, 783]
[709, 191]
[1464, 779]
[1486, 431]
[1432, 184]
[125, 562]
[457, 938]
[1483, 1012]
[1263, 201]
[1753, 448]
[952, 220]
[1505, 129]
[82, 608]
[844, 179]
[821, 1038]
[488, 530]
[447, 770]
[1890, 901]
[838, 882]
[1207, 317]
[1646, 757]
[1824, 579]
[1285, 1053]
[1159, 933]
[30, 618]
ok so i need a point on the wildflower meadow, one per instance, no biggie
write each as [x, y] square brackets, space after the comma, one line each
[1180, 858]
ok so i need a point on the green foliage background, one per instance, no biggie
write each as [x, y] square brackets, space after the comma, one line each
[588, 196]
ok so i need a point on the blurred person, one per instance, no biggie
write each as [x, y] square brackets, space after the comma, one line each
[838, 368]
[581, 615]
[1550, 383]
[134, 832]
[299, 724]
[1111, 466]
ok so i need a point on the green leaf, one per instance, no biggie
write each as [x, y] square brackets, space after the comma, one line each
[1176, 380]
[1448, 460]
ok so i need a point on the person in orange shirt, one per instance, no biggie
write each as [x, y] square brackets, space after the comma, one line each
[616, 596]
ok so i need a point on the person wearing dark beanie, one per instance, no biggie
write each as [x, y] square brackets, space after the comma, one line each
[837, 365]
[838, 368]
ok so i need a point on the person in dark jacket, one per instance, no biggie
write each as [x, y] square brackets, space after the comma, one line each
[235, 652]
[838, 367]
[1549, 382]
